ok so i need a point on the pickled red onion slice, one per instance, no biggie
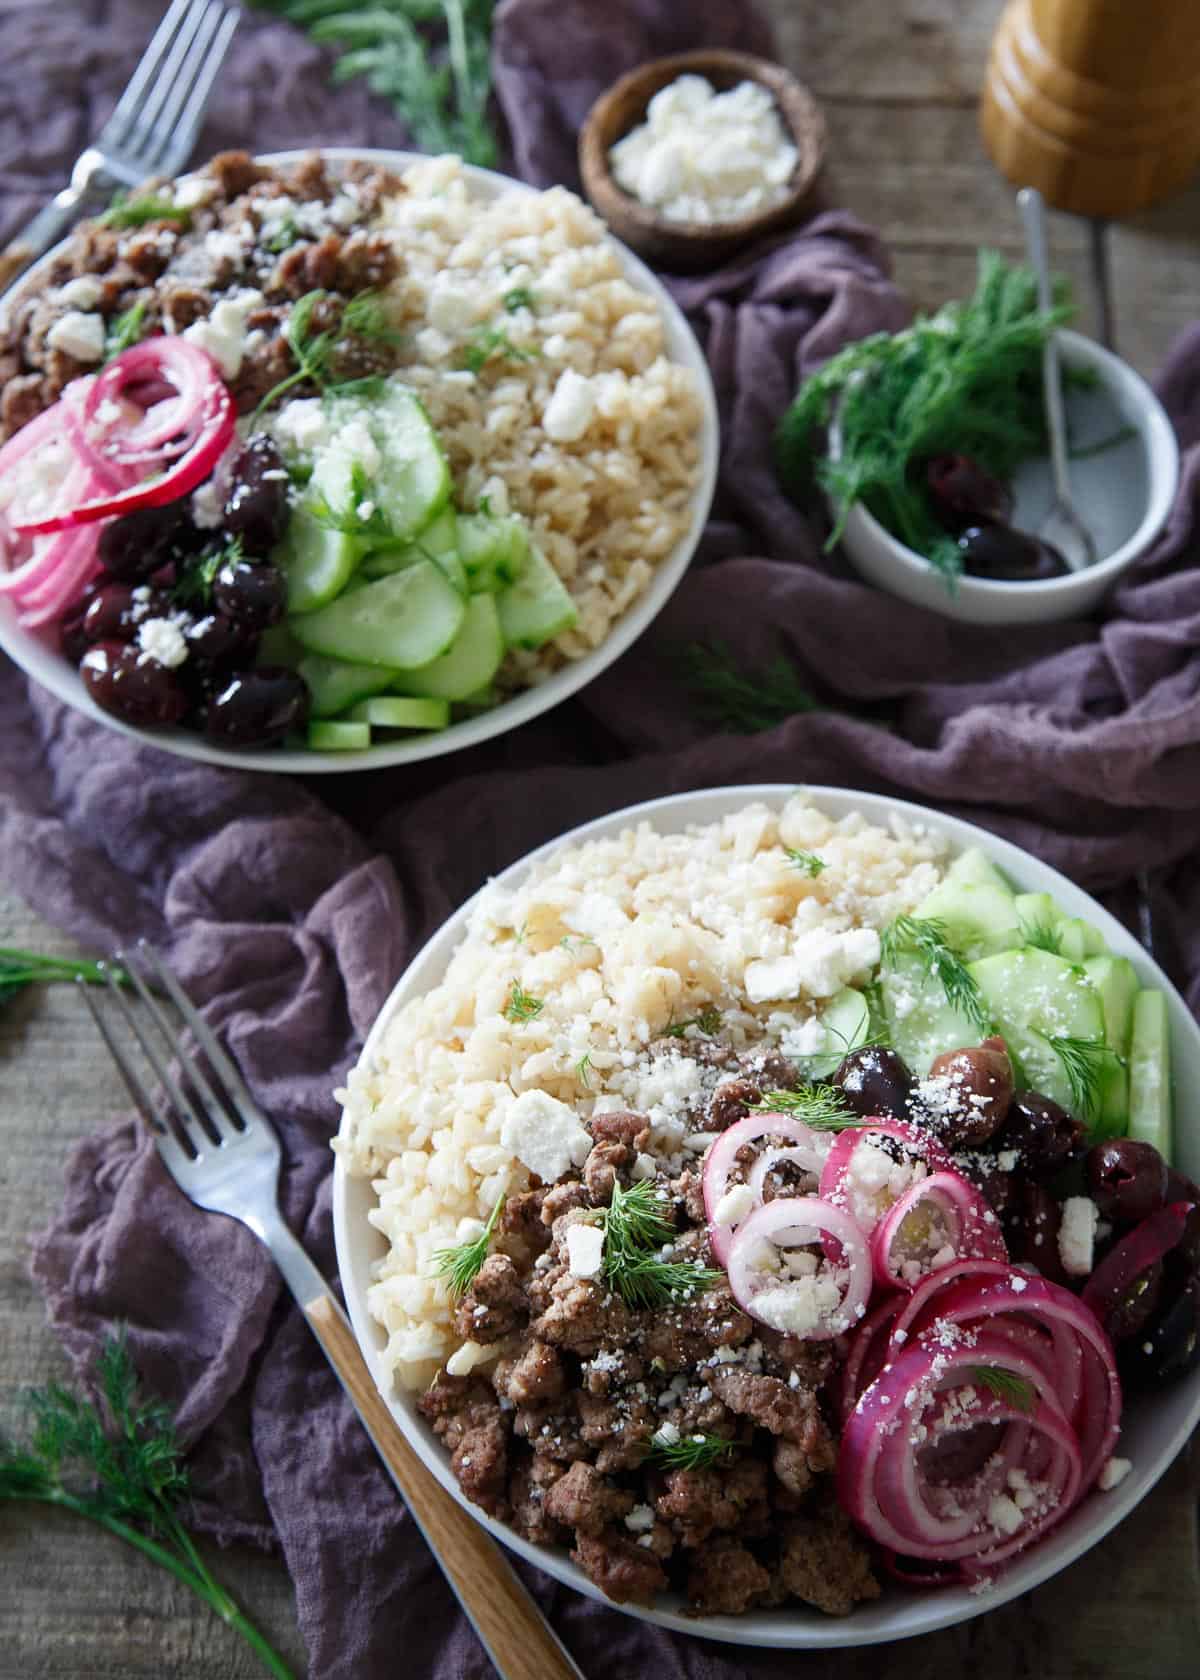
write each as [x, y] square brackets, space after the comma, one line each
[815, 1300]
[722, 1157]
[939, 1219]
[866, 1179]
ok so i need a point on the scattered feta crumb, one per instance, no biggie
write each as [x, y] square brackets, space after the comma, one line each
[208, 506]
[1005, 1515]
[465, 1358]
[585, 1250]
[84, 292]
[1113, 1473]
[78, 335]
[1077, 1235]
[163, 640]
[544, 1134]
[734, 1205]
[569, 412]
[640, 1519]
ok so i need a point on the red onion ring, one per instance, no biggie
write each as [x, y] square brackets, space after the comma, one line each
[166, 425]
[721, 1159]
[835, 1174]
[973, 1227]
[752, 1288]
[868, 1351]
[1149, 1240]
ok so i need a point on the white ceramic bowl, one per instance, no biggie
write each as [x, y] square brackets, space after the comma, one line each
[42, 661]
[1124, 494]
[1154, 1431]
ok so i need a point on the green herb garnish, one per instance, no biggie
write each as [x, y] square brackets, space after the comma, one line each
[487, 342]
[313, 350]
[927, 940]
[136, 212]
[1006, 1385]
[521, 1006]
[194, 585]
[746, 702]
[284, 236]
[371, 525]
[708, 1022]
[1043, 936]
[822, 1108]
[808, 863]
[124, 330]
[966, 381]
[583, 1071]
[635, 1231]
[116, 1461]
[460, 1265]
[19, 969]
[1085, 1061]
[366, 316]
[691, 1452]
[519, 298]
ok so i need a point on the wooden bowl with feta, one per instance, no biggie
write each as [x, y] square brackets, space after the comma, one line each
[689, 158]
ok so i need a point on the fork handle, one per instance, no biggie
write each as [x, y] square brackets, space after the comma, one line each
[511, 1628]
[46, 229]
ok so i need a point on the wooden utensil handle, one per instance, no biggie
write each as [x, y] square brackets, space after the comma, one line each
[509, 1624]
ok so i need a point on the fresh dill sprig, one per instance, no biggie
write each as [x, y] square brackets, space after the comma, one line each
[746, 702]
[116, 1460]
[521, 1006]
[708, 1022]
[460, 1265]
[313, 349]
[583, 1071]
[690, 1452]
[1085, 1061]
[124, 330]
[821, 1107]
[136, 212]
[635, 1231]
[193, 587]
[926, 938]
[372, 526]
[519, 298]
[366, 316]
[19, 969]
[808, 863]
[487, 342]
[1006, 1385]
[284, 236]
[1043, 936]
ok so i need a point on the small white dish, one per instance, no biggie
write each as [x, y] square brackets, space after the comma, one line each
[1124, 494]
[40, 658]
[1153, 1432]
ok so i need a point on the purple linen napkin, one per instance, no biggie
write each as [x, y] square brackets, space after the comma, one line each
[290, 908]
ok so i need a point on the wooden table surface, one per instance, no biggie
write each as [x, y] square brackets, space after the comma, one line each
[899, 84]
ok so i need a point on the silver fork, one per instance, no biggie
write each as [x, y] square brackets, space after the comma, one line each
[151, 131]
[224, 1154]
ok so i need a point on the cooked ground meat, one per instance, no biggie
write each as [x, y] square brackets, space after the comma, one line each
[584, 1500]
[731, 1101]
[494, 1305]
[696, 1502]
[724, 1579]
[537, 1376]
[622, 1569]
[823, 1562]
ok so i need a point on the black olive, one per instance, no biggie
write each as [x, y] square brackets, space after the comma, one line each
[256, 506]
[1126, 1178]
[1168, 1346]
[1044, 1135]
[257, 708]
[139, 543]
[964, 493]
[874, 1082]
[132, 686]
[979, 1090]
[1005, 555]
[252, 596]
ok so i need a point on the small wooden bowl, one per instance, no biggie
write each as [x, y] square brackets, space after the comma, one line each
[687, 246]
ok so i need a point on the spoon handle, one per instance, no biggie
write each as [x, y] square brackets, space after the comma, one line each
[1029, 202]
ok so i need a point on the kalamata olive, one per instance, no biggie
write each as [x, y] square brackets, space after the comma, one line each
[964, 493]
[137, 544]
[997, 1187]
[132, 686]
[874, 1081]
[1126, 1178]
[257, 708]
[218, 639]
[256, 507]
[1031, 1229]
[1000, 552]
[1043, 1134]
[1168, 1345]
[71, 637]
[1136, 1305]
[974, 1088]
[114, 614]
[251, 595]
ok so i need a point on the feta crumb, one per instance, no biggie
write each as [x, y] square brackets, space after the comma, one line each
[734, 1205]
[569, 412]
[208, 506]
[640, 1519]
[163, 640]
[1077, 1235]
[223, 334]
[643, 1167]
[1113, 1473]
[544, 1134]
[81, 293]
[666, 1435]
[1005, 1515]
[357, 442]
[303, 423]
[78, 335]
[585, 1250]
[192, 194]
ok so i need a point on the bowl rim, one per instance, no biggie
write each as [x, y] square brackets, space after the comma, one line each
[46, 665]
[797, 1629]
[1162, 448]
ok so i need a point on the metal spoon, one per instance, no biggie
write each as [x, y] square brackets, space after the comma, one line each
[1063, 526]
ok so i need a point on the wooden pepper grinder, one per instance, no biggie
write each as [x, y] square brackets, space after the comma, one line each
[1095, 102]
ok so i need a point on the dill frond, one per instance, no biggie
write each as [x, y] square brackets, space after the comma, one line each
[460, 1265]
[1006, 1385]
[522, 1005]
[691, 1452]
[927, 939]
[808, 863]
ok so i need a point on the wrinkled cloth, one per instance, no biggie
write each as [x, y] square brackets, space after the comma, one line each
[290, 907]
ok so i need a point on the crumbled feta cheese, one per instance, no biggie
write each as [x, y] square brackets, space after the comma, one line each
[1077, 1235]
[78, 335]
[569, 412]
[465, 1358]
[303, 423]
[451, 308]
[544, 1134]
[643, 1167]
[797, 1307]
[356, 440]
[1113, 1473]
[223, 334]
[343, 212]
[585, 1250]
[734, 1205]
[83, 292]
[208, 506]
[163, 640]
[192, 194]
[666, 1435]
[820, 963]
[640, 1519]
[1005, 1515]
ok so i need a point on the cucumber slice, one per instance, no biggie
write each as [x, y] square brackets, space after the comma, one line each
[401, 622]
[921, 1024]
[1112, 1109]
[413, 480]
[1078, 939]
[1032, 993]
[469, 663]
[316, 561]
[1040, 919]
[494, 551]
[847, 1022]
[537, 606]
[339, 737]
[387, 712]
[437, 542]
[973, 868]
[1150, 1073]
[335, 685]
[1116, 985]
[980, 919]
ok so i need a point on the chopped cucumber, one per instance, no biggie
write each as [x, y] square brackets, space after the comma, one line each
[316, 561]
[338, 737]
[1116, 985]
[402, 621]
[437, 542]
[469, 663]
[980, 919]
[973, 868]
[1111, 1118]
[1040, 918]
[847, 1022]
[387, 712]
[1031, 994]
[1078, 939]
[1149, 1073]
[537, 606]
[921, 1024]
[413, 480]
[335, 685]
[494, 551]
